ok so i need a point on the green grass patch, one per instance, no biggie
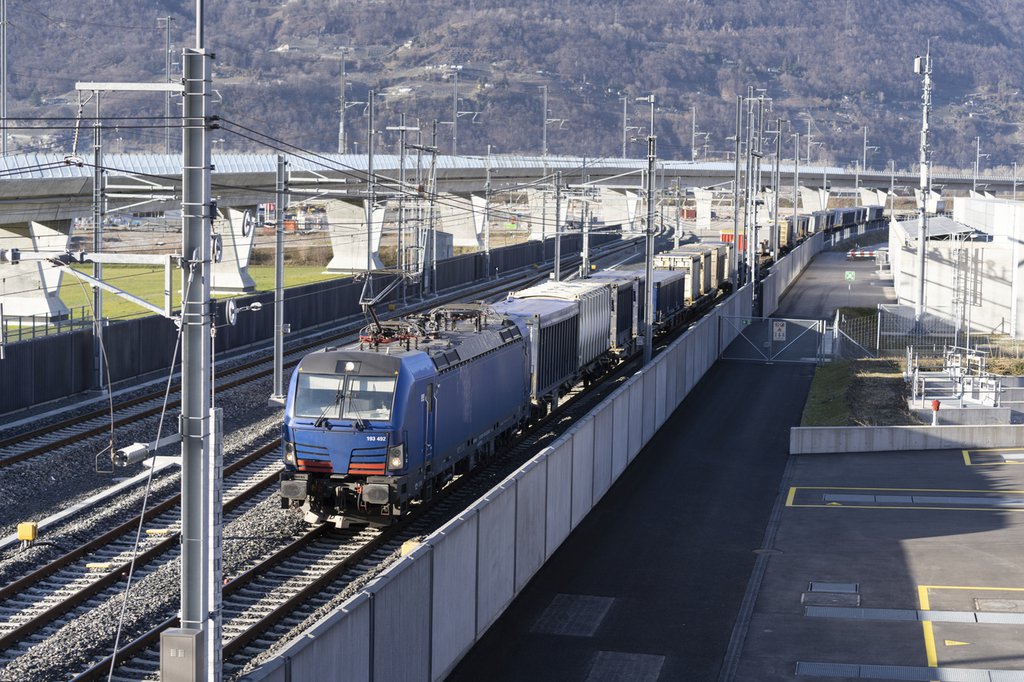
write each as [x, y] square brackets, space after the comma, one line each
[148, 283]
[826, 403]
[864, 392]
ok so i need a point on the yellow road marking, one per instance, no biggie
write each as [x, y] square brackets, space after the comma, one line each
[968, 460]
[789, 498]
[926, 605]
[926, 626]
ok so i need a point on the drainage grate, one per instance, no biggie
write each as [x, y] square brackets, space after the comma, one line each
[829, 599]
[577, 615]
[616, 666]
[844, 588]
[906, 672]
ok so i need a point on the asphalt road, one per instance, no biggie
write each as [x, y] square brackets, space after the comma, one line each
[671, 545]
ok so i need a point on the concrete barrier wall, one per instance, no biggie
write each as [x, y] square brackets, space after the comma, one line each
[806, 440]
[440, 599]
[785, 272]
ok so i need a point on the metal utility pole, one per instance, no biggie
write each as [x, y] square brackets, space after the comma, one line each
[923, 66]
[280, 199]
[736, 198]
[652, 159]
[796, 180]
[487, 217]
[544, 128]
[679, 210]
[977, 161]
[625, 121]
[341, 111]
[99, 214]
[776, 181]
[558, 226]
[200, 497]
[809, 137]
[400, 256]
[167, 78]
[864, 156]
[370, 187]
[585, 224]
[3, 74]
[455, 114]
[1014, 279]
[432, 209]
[693, 133]
[749, 218]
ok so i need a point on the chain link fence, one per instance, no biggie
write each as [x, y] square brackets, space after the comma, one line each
[890, 329]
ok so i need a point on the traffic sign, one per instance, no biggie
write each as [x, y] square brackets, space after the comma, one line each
[851, 275]
[778, 330]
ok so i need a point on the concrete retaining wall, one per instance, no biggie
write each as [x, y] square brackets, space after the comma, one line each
[441, 598]
[785, 272]
[831, 439]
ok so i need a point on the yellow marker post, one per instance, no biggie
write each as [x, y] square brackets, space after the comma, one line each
[28, 531]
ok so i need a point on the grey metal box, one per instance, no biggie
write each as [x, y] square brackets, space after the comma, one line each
[180, 659]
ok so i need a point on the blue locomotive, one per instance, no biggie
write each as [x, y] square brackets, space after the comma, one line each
[371, 427]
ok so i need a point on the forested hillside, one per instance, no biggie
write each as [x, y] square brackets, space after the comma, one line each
[841, 64]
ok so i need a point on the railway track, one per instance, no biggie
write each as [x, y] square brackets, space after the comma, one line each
[97, 569]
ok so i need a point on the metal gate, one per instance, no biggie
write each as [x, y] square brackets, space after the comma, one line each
[773, 339]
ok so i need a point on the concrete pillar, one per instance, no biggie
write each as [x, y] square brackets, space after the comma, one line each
[703, 198]
[814, 198]
[237, 231]
[936, 204]
[347, 225]
[873, 197]
[462, 218]
[620, 208]
[33, 287]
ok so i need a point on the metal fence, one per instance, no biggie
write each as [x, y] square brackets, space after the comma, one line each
[24, 327]
[893, 328]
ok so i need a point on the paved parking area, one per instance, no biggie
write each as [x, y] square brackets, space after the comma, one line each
[894, 566]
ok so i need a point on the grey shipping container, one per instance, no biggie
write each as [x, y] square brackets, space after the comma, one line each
[625, 290]
[595, 312]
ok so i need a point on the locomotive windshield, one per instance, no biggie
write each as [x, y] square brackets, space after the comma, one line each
[332, 396]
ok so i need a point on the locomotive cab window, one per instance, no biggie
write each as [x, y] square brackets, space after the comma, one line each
[320, 396]
[369, 398]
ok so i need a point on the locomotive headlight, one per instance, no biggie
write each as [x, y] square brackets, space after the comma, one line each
[396, 456]
[289, 453]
